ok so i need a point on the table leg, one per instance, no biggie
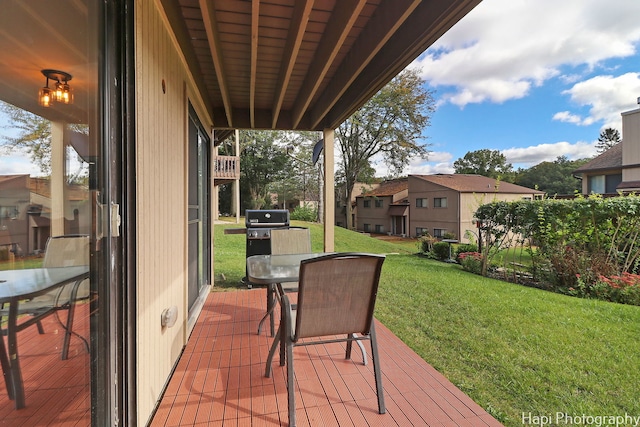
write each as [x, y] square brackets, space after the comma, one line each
[284, 329]
[6, 368]
[14, 363]
[270, 307]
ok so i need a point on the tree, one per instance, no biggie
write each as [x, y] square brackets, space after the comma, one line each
[33, 135]
[390, 125]
[607, 139]
[552, 177]
[490, 163]
[262, 163]
[307, 176]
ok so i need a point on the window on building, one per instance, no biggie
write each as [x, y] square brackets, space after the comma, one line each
[421, 231]
[612, 181]
[379, 203]
[367, 227]
[8, 212]
[439, 232]
[604, 184]
[596, 184]
[367, 203]
[421, 203]
[379, 228]
[440, 202]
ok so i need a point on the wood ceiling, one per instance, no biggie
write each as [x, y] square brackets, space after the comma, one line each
[261, 64]
[302, 64]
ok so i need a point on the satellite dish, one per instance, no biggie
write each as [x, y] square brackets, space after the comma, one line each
[317, 149]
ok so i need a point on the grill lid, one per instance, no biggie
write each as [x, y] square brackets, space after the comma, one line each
[266, 218]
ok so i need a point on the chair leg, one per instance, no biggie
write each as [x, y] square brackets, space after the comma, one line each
[40, 328]
[359, 344]
[376, 369]
[67, 332]
[69, 326]
[291, 393]
[272, 352]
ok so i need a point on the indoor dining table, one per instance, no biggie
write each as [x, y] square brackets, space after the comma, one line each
[16, 286]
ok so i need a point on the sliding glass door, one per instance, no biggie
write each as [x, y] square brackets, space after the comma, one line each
[199, 190]
[62, 179]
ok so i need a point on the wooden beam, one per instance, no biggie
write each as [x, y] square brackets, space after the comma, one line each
[297, 28]
[389, 16]
[255, 19]
[429, 21]
[209, 18]
[340, 24]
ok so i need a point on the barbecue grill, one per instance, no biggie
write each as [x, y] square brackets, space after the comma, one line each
[259, 224]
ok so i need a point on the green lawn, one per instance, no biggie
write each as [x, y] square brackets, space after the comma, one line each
[20, 263]
[511, 348]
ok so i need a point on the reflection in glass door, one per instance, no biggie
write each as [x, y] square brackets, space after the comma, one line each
[49, 149]
[199, 240]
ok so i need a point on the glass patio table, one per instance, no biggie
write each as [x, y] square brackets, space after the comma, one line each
[18, 285]
[273, 269]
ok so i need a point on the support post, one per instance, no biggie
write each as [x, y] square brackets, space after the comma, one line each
[329, 192]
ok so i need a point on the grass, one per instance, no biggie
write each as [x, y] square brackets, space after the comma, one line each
[21, 263]
[511, 348]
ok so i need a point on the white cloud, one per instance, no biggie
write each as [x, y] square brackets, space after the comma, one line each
[438, 162]
[567, 117]
[526, 157]
[438, 156]
[608, 96]
[428, 168]
[503, 48]
[17, 163]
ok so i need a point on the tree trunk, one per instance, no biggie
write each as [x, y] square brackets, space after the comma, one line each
[349, 208]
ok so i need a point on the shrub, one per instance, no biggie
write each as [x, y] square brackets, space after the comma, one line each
[624, 288]
[441, 250]
[425, 243]
[465, 247]
[471, 261]
[305, 213]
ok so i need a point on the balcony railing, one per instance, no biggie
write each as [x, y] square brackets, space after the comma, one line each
[226, 168]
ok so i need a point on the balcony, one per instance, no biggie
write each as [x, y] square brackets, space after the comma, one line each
[226, 169]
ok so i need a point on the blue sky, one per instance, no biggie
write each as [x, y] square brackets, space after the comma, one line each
[532, 79]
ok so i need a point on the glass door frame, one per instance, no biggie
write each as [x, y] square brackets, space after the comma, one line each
[113, 320]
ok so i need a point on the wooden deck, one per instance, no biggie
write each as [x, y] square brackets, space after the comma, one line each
[219, 379]
[57, 392]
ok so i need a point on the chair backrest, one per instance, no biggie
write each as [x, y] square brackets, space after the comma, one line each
[337, 294]
[290, 241]
[66, 251]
